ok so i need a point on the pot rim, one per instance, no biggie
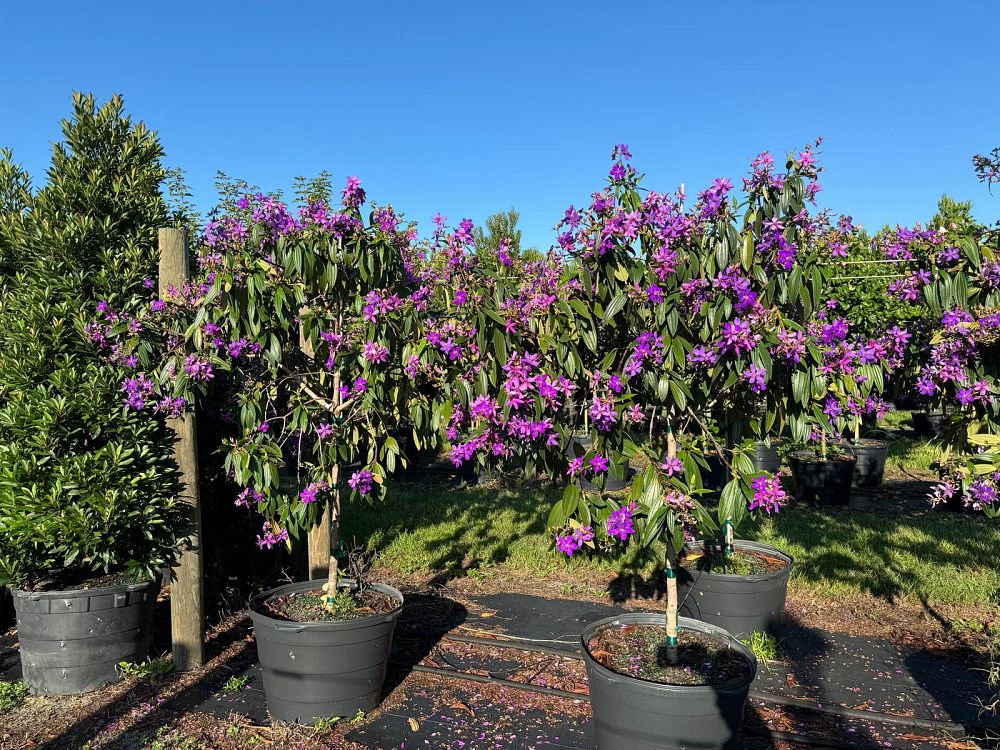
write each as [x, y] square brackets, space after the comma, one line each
[757, 546]
[77, 593]
[261, 618]
[733, 687]
[815, 457]
[863, 443]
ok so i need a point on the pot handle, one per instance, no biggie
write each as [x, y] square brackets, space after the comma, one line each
[289, 628]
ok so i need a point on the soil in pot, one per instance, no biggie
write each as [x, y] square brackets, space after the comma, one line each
[318, 668]
[870, 468]
[743, 562]
[640, 651]
[823, 481]
[307, 606]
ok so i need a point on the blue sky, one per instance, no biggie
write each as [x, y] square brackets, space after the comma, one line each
[472, 107]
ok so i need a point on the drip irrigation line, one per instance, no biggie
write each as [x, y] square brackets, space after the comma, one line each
[555, 692]
[853, 713]
[520, 645]
[779, 700]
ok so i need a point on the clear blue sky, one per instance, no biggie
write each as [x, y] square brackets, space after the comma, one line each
[472, 107]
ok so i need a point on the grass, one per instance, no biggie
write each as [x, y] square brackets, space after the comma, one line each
[934, 558]
[909, 453]
[12, 695]
[146, 669]
[236, 684]
[764, 647]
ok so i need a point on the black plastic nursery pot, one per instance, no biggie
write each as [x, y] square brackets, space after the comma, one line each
[739, 604]
[611, 483]
[634, 714]
[826, 482]
[316, 670]
[766, 457]
[870, 468]
[6, 607]
[715, 477]
[72, 641]
[928, 424]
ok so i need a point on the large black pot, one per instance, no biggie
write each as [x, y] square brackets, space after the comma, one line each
[869, 469]
[823, 482]
[928, 425]
[766, 457]
[315, 670]
[578, 445]
[738, 604]
[6, 608]
[72, 641]
[715, 477]
[634, 714]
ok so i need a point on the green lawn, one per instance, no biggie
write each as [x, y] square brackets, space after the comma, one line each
[936, 558]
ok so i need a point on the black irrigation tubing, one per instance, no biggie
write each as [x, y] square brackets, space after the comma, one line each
[780, 700]
[471, 677]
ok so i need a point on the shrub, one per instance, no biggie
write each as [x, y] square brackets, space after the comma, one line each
[86, 488]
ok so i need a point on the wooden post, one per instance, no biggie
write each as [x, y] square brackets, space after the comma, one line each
[187, 589]
[320, 546]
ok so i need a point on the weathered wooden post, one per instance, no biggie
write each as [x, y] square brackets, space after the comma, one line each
[187, 590]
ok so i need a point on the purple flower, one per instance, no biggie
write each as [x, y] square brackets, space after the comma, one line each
[756, 378]
[575, 466]
[620, 522]
[567, 545]
[768, 494]
[272, 535]
[197, 368]
[374, 352]
[248, 494]
[361, 481]
[582, 535]
[599, 463]
[311, 492]
[672, 465]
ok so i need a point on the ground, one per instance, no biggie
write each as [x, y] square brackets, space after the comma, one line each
[904, 594]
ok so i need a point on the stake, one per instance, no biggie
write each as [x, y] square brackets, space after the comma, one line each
[187, 590]
[672, 630]
[671, 572]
